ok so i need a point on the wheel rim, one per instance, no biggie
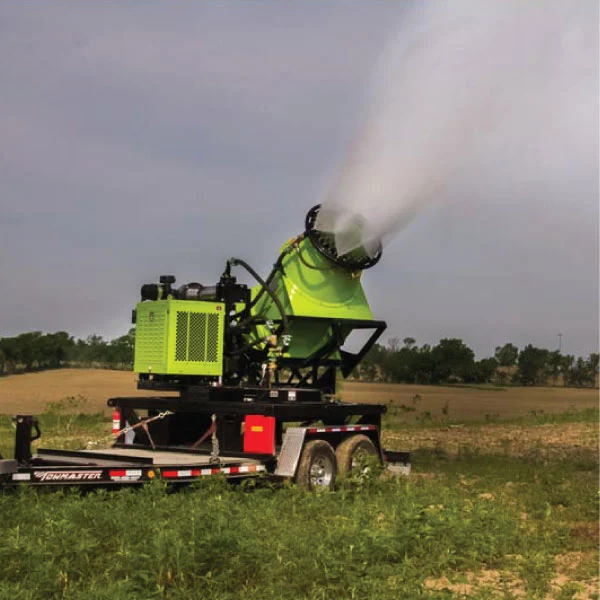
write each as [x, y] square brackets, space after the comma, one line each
[358, 464]
[321, 472]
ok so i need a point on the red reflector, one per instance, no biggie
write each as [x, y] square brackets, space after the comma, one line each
[259, 434]
[117, 473]
[169, 474]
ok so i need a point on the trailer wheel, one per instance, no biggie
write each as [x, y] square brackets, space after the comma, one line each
[317, 467]
[353, 454]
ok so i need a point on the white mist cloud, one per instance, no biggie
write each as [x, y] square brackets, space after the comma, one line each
[494, 99]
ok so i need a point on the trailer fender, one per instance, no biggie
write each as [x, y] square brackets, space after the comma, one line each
[291, 448]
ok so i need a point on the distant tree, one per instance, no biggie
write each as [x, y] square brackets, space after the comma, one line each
[421, 365]
[531, 365]
[370, 367]
[507, 355]
[554, 366]
[582, 372]
[566, 363]
[9, 354]
[402, 364]
[452, 358]
[409, 342]
[120, 351]
[30, 349]
[96, 348]
[484, 370]
[500, 376]
[594, 363]
[389, 360]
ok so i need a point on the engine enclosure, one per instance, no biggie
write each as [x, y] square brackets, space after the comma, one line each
[179, 337]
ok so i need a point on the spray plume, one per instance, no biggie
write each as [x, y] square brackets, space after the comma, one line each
[466, 83]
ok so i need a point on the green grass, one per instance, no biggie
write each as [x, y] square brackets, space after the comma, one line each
[382, 539]
[62, 425]
[221, 541]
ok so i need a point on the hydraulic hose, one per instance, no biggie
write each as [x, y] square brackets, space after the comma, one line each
[264, 288]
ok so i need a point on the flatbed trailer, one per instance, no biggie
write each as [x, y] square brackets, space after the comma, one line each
[181, 440]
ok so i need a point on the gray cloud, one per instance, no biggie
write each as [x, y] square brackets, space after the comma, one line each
[138, 140]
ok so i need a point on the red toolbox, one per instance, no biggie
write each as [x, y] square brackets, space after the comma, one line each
[259, 434]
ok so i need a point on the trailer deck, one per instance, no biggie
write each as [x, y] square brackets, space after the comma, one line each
[133, 456]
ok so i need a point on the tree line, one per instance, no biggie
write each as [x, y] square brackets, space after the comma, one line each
[37, 351]
[452, 361]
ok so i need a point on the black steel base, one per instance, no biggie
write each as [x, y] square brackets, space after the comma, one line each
[289, 411]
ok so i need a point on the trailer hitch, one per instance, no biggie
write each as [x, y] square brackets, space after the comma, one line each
[25, 425]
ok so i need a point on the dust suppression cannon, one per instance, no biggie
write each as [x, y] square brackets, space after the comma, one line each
[286, 334]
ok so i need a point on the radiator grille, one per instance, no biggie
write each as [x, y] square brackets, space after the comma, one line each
[212, 338]
[197, 337]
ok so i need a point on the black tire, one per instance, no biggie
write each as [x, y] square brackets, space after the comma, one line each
[352, 451]
[317, 468]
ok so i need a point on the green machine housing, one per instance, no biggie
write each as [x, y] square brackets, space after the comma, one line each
[179, 337]
[288, 330]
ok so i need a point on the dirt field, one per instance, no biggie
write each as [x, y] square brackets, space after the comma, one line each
[472, 403]
[554, 441]
[30, 392]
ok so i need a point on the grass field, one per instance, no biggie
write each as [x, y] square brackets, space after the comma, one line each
[502, 503]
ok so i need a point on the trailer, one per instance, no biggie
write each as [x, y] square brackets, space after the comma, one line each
[181, 441]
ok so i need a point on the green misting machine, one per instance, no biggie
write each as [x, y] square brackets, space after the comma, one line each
[250, 379]
[285, 333]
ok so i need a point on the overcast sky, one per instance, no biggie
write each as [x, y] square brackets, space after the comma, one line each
[146, 138]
